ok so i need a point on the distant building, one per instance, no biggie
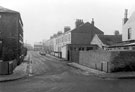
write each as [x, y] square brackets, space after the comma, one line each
[28, 46]
[38, 46]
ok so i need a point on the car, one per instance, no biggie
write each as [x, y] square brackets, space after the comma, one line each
[42, 53]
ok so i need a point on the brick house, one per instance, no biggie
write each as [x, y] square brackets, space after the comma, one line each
[82, 34]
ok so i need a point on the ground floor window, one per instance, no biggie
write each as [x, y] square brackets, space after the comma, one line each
[89, 48]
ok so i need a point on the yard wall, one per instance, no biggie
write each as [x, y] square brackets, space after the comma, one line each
[108, 61]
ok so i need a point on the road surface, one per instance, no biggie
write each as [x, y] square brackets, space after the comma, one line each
[52, 75]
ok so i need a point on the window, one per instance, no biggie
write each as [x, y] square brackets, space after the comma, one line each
[129, 33]
[69, 37]
[81, 49]
[0, 49]
[71, 48]
[133, 48]
[66, 38]
[89, 48]
[75, 49]
[126, 48]
[62, 39]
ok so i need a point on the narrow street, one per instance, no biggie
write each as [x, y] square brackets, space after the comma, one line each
[52, 75]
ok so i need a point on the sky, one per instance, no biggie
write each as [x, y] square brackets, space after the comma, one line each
[43, 18]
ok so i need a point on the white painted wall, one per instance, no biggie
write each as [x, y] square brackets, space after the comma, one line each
[64, 52]
[97, 41]
[62, 40]
[129, 24]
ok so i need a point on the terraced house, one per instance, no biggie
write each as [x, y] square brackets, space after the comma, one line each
[79, 38]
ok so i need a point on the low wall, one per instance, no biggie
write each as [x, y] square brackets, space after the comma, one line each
[123, 61]
[108, 61]
[7, 67]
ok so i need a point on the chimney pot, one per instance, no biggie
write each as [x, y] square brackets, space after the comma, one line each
[92, 22]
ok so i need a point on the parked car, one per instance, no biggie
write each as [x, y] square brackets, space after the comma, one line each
[42, 53]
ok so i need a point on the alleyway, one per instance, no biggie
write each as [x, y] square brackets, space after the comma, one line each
[53, 75]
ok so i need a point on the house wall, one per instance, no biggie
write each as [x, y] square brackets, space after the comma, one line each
[64, 52]
[129, 24]
[125, 31]
[9, 25]
[11, 33]
[81, 38]
[62, 40]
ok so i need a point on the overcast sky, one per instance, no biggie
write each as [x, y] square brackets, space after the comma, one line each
[43, 18]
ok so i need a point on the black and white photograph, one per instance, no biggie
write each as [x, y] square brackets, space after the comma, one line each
[67, 45]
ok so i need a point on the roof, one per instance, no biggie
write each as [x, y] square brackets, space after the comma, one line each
[124, 43]
[2, 9]
[110, 39]
[87, 27]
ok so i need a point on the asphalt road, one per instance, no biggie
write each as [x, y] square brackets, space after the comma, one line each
[53, 75]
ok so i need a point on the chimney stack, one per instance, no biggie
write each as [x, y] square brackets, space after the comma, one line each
[78, 22]
[125, 16]
[66, 28]
[92, 22]
[59, 33]
[116, 32]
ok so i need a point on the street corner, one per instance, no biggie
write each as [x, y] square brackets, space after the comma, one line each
[18, 73]
[12, 77]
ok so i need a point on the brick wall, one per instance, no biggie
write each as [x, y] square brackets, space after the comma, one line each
[95, 59]
[81, 38]
[123, 61]
[108, 61]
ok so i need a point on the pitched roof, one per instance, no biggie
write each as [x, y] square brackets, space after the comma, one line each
[2, 9]
[87, 27]
[124, 43]
[110, 39]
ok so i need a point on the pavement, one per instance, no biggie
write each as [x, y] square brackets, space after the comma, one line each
[18, 73]
[102, 74]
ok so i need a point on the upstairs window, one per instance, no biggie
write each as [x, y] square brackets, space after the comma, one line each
[129, 33]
